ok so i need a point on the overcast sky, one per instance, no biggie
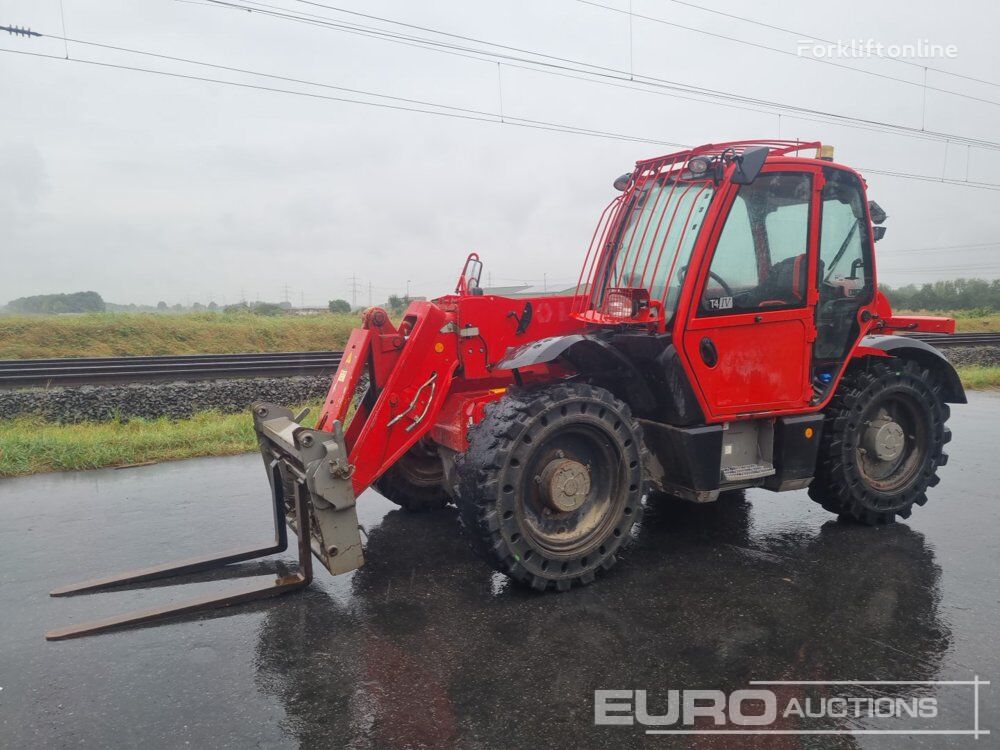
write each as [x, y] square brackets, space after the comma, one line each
[148, 188]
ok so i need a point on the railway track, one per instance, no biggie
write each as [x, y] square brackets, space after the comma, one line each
[107, 370]
[948, 340]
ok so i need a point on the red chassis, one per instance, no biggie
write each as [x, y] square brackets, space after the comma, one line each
[438, 384]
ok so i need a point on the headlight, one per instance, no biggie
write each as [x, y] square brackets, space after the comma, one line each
[698, 166]
[619, 305]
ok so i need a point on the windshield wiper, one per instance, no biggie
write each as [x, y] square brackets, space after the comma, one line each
[842, 250]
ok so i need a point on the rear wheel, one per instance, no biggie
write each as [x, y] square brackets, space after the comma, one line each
[416, 481]
[883, 441]
[551, 484]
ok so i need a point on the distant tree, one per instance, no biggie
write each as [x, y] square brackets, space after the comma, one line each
[397, 304]
[339, 306]
[77, 302]
[267, 308]
[161, 305]
[951, 294]
[197, 306]
[212, 306]
[239, 307]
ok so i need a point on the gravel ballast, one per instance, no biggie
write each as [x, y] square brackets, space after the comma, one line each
[182, 399]
[101, 403]
[963, 356]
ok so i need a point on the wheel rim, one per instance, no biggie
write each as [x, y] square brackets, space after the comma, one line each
[421, 465]
[893, 443]
[573, 489]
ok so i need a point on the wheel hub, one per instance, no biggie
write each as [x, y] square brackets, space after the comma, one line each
[885, 439]
[565, 484]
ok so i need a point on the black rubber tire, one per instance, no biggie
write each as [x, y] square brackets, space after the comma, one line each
[840, 485]
[416, 481]
[497, 499]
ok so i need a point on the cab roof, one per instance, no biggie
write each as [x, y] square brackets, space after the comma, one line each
[776, 148]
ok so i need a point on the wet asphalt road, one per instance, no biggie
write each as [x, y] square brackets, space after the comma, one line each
[424, 647]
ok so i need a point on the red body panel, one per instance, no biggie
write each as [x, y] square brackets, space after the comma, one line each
[762, 365]
[918, 323]
[763, 357]
[410, 397]
[338, 400]
[412, 369]
[496, 321]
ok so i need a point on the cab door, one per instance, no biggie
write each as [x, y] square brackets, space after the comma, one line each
[749, 329]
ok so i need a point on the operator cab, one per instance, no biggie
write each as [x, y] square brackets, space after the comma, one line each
[756, 262]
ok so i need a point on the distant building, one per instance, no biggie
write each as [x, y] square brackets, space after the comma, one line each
[506, 291]
[532, 290]
[307, 311]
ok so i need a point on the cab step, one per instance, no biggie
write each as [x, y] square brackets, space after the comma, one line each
[747, 472]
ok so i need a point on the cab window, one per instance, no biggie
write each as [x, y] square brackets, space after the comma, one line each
[761, 259]
[844, 269]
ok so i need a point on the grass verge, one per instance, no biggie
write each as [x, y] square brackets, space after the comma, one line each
[146, 334]
[979, 377]
[28, 446]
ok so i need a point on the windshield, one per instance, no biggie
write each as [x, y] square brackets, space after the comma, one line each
[653, 246]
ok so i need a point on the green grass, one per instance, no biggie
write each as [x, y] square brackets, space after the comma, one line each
[132, 334]
[979, 377]
[28, 446]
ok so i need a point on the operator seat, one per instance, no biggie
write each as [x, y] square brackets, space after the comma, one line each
[786, 284]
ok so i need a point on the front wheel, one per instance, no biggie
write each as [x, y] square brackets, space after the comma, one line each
[416, 482]
[883, 442]
[551, 484]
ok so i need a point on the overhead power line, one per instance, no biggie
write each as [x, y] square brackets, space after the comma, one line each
[488, 117]
[789, 53]
[596, 73]
[979, 246]
[814, 38]
[420, 108]
[931, 178]
[989, 267]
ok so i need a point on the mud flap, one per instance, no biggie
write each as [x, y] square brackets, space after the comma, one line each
[316, 461]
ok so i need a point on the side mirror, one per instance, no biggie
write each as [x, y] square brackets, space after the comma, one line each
[878, 233]
[748, 165]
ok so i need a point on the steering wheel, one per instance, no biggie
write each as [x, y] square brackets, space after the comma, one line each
[722, 283]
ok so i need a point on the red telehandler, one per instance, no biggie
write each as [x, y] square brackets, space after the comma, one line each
[726, 332]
